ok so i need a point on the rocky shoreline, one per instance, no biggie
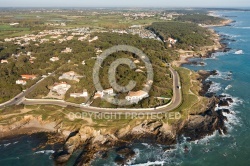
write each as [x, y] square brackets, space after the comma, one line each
[95, 142]
[207, 52]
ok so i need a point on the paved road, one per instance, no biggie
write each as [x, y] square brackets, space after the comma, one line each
[175, 102]
[20, 97]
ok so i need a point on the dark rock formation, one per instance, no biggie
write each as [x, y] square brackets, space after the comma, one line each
[223, 103]
[124, 154]
[205, 83]
[198, 126]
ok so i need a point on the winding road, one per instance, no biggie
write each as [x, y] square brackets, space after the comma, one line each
[175, 102]
[21, 96]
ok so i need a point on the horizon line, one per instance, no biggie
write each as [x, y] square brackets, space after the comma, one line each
[120, 7]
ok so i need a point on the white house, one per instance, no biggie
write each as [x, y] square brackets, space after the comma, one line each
[93, 39]
[98, 51]
[16, 23]
[4, 61]
[71, 75]
[28, 76]
[69, 37]
[139, 71]
[99, 94]
[135, 97]
[77, 95]
[61, 88]
[29, 53]
[83, 37]
[136, 61]
[8, 39]
[108, 91]
[53, 59]
[21, 82]
[67, 50]
[171, 40]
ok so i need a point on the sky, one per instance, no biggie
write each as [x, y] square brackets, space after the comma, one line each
[125, 3]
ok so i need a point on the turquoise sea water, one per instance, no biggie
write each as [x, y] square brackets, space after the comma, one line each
[231, 149]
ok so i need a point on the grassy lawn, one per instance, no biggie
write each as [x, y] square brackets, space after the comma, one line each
[191, 103]
[5, 27]
[6, 32]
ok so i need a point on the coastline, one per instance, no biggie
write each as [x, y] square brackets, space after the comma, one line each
[28, 125]
[206, 51]
[151, 130]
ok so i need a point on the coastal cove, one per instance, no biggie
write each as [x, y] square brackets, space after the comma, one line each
[217, 132]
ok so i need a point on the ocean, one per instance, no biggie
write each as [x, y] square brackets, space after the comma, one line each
[231, 149]
[26, 150]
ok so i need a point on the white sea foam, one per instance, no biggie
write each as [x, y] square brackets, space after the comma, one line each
[45, 152]
[228, 87]
[147, 145]
[169, 157]
[230, 35]
[137, 154]
[150, 163]
[40, 152]
[5, 145]
[49, 151]
[215, 87]
[236, 100]
[222, 75]
[239, 52]
[242, 27]
[217, 54]
[232, 118]
[205, 140]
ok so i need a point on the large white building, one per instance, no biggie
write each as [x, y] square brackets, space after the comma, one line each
[135, 97]
[61, 88]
